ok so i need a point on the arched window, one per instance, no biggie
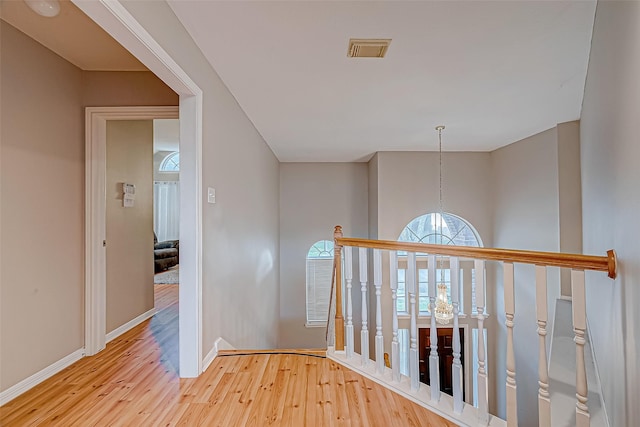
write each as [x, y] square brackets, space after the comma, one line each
[319, 274]
[171, 163]
[433, 228]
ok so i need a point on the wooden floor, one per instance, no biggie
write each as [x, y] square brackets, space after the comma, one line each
[135, 382]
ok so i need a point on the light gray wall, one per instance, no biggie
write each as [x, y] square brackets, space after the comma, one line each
[314, 197]
[408, 187]
[240, 232]
[373, 197]
[526, 216]
[611, 203]
[42, 199]
[129, 256]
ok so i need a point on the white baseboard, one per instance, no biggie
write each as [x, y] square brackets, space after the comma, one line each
[129, 325]
[35, 379]
[219, 344]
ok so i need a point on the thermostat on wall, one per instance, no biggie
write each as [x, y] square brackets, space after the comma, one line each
[128, 195]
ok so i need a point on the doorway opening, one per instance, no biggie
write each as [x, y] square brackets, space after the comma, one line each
[123, 27]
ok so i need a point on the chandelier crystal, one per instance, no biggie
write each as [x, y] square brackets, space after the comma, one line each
[443, 308]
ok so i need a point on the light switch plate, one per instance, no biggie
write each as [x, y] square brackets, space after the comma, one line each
[211, 195]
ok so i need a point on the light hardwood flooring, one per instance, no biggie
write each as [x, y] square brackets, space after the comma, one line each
[135, 382]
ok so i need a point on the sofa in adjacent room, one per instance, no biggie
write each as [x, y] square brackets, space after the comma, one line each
[165, 254]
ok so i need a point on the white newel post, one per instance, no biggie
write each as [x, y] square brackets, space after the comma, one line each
[544, 403]
[348, 276]
[510, 309]
[483, 393]
[579, 327]
[434, 362]
[456, 371]
[414, 371]
[377, 282]
[364, 334]
[395, 345]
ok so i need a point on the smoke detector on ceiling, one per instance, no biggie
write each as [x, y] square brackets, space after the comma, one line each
[368, 48]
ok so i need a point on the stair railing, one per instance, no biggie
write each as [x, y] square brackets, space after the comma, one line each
[454, 408]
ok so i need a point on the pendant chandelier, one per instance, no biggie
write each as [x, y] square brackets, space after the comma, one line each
[444, 308]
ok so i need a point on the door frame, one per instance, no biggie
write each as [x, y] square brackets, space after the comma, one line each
[114, 18]
[95, 212]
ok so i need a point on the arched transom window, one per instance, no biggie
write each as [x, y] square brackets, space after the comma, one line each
[434, 228]
[171, 163]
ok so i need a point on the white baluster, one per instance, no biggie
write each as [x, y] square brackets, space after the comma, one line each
[348, 275]
[579, 326]
[458, 404]
[483, 394]
[395, 345]
[377, 282]
[467, 286]
[414, 371]
[510, 309]
[544, 403]
[364, 333]
[434, 362]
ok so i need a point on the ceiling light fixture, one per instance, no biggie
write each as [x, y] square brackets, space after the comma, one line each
[46, 8]
[443, 309]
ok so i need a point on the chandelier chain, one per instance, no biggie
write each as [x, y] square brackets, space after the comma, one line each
[440, 128]
[443, 308]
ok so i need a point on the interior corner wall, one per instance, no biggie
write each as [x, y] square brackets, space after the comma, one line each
[569, 196]
[240, 277]
[526, 216]
[611, 203]
[42, 208]
[314, 198]
[129, 230]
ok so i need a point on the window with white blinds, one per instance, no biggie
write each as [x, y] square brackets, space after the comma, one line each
[319, 274]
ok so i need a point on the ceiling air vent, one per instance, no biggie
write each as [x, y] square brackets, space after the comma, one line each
[368, 48]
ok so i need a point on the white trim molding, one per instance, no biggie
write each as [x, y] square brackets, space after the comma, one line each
[35, 379]
[130, 325]
[219, 344]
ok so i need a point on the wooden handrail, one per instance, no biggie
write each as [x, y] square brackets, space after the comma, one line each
[555, 259]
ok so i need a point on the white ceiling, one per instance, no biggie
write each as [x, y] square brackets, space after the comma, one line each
[493, 72]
